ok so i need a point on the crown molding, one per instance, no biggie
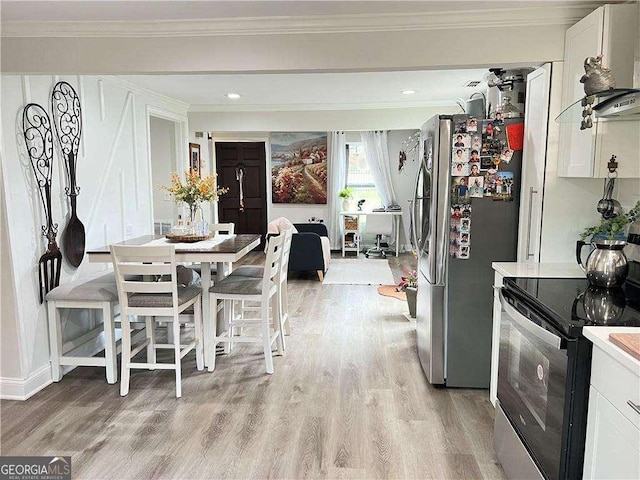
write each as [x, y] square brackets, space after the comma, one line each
[135, 88]
[311, 107]
[315, 24]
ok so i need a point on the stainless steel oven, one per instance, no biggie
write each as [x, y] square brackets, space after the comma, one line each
[544, 366]
[536, 394]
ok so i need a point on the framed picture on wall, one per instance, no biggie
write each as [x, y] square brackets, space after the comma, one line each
[194, 158]
[299, 167]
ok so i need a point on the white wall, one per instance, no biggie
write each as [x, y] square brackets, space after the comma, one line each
[316, 120]
[162, 138]
[115, 196]
[569, 204]
[403, 181]
[209, 210]
[10, 359]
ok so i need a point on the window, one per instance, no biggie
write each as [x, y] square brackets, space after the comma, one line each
[359, 178]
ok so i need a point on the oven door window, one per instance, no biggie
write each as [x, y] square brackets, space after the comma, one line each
[529, 375]
[531, 388]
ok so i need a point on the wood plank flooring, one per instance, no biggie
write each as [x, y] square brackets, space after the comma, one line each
[347, 401]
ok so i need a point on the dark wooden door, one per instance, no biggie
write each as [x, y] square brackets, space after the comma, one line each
[235, 160]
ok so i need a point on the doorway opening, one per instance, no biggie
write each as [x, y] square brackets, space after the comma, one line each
[167, 154]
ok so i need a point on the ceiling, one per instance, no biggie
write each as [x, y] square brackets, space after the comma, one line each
[317, 91]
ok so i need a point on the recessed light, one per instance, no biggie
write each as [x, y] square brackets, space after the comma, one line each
[232, 96]
[407, 92]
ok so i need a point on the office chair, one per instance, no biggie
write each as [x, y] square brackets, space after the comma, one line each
[379, 225]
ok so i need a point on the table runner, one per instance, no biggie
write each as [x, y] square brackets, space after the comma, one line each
[202, 245]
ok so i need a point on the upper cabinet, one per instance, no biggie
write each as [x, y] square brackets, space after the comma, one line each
[610, 31]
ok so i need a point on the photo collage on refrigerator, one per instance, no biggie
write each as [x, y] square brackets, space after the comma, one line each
[481, 149]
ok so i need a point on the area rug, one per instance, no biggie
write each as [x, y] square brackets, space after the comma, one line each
[358, 271]
[390, 291]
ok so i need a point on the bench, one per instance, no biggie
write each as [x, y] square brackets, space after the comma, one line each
[98, 292]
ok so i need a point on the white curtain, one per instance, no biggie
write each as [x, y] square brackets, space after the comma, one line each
[376, 152]
[337, 181]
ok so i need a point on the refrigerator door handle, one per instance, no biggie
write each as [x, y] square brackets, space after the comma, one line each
[440, 207]
[531, 192]
[412, 226]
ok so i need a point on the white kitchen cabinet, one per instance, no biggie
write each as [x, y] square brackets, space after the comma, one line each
[612, 449]
[534, 155]
[609, 31]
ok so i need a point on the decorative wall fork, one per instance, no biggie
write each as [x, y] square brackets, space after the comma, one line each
[36, 128]
[67, 119]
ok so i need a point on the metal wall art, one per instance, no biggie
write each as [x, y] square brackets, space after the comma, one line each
[409, 149]
[36, 128]
[67, 118]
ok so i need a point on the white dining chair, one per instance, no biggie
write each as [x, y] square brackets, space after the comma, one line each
[261, 290]
[217, 228]
[257, 271]
[223, 228]
[155, 294]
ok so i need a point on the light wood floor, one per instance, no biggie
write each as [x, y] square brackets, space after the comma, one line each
[349, 400]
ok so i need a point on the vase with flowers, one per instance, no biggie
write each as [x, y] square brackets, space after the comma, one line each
[194, 190]
[409, 285]
[346, 194]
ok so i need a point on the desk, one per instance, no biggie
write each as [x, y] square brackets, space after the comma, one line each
[396, 214]
[230, 250]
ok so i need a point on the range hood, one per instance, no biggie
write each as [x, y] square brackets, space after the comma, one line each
[619, 105]
[612, 103]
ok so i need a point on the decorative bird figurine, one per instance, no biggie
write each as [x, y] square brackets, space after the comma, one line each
[597, 77]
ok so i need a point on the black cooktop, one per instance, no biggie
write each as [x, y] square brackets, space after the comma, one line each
[572, 303]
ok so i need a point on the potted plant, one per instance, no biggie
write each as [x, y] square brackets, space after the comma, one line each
[607, 265]
[612, 228]
[409, 285]
[345, 194]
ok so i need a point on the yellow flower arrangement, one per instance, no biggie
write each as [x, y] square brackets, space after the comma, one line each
[195, 189]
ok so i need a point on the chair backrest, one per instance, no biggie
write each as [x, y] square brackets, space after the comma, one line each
[138, 267]
[273, 262]
[286, 251]
[379, 224]
[228, 228]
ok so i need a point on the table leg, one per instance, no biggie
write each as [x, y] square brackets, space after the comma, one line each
[222, 322]
[205, 279]
[397, 220]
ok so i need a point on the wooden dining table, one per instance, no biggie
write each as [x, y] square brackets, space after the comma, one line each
[229, 249]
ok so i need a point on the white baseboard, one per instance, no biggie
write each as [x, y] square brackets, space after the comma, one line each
[18, 389]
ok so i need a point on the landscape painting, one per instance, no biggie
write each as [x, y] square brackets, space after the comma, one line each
[299, 167]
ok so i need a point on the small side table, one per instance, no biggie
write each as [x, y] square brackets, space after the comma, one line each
[350, 234]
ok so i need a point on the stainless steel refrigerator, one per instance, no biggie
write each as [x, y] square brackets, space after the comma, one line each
[455, 294]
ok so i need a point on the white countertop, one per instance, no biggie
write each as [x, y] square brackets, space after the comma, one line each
[542, 270]
[599, 336]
